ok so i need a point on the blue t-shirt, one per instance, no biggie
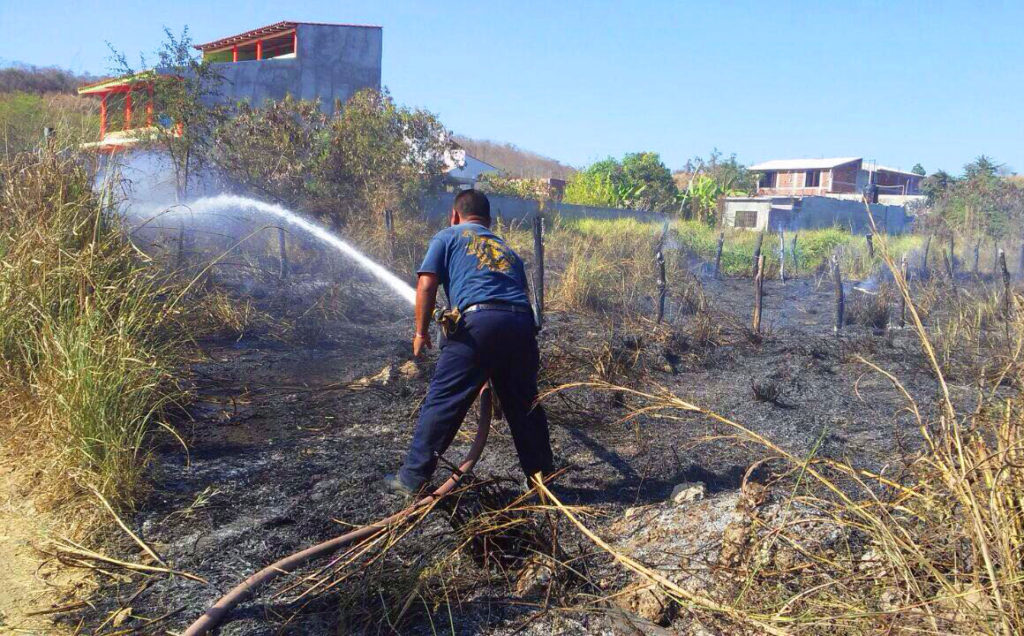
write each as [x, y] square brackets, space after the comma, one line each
[475, 266]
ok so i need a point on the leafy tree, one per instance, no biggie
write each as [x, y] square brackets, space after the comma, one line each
[936, 184]
[700, 199]
[640, 182]
[979, 204]
[918, 169]
[371, 156]
[184, 88]
[652, 184]
[276, 150]
[590, 187]
[704, 182]
[982, 168]
[384, 155]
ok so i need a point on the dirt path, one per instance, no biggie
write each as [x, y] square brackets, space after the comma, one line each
[29, 583]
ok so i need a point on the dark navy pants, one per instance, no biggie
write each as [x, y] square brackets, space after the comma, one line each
[489, 344]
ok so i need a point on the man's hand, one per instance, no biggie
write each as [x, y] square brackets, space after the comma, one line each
[419, 343]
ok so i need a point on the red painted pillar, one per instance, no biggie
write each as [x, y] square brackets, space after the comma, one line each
[149, 104]
[103, 115]
[128, 110]
[295, 43]
[234, 53]
[259, 49]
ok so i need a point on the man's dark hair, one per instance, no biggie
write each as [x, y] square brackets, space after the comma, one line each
[473, 204]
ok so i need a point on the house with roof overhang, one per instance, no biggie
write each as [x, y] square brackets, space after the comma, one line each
[307, 60]
[832, 176]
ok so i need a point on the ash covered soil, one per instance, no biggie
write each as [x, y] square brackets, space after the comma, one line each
[286, 444]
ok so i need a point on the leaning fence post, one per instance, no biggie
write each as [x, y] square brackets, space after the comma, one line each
[282, 248]
[995, 261]
[792, 252]
[758, 293]
[977, 255]
[721, 244]
[757, 249]
[538, 280]
[904, 271]
[840, 295]
[871, 245]
[924, 258]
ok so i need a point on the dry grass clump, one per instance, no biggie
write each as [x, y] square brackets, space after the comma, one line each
[84, 338]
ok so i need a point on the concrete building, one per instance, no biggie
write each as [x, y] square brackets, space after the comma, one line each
[306, 60]
[840, 177]
[810, 213]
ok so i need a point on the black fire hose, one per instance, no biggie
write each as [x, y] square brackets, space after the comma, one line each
[213, 616]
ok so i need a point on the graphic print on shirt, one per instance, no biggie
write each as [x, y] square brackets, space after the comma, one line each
[490, 253]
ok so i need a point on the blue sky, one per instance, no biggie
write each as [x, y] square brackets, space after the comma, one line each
[898, 82]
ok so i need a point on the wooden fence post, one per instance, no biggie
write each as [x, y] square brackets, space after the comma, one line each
[758, 292]
[792, 252]
[757, 249]
[995, 261]
[282, 247]
[721, 244]
[952, 257]
[389, 227]
[904, 272]
[782, 256]
[977, 254]
[662, 285]
[871, 245]
[840, 294]
[1007, 295]
[924, 259]
[659, 258]
[538, 280]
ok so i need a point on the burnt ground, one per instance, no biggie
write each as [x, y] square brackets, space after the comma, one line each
[287, 443]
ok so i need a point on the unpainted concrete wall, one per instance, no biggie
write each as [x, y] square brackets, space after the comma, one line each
[438, 206]
[810, 213]
[332, 63]
[760, 206]
[822, 212]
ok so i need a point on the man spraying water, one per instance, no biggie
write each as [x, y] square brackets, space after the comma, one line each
[490, 335]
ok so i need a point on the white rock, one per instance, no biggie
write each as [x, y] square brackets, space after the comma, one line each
[688, 492]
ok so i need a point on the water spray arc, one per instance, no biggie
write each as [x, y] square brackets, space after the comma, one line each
[227, 201]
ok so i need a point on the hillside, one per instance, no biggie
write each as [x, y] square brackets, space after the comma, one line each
[515, 161]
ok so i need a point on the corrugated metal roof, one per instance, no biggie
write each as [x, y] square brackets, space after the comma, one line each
[272, 29]
[803, 164]
[877, 168]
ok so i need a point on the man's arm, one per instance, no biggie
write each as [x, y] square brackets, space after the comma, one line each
[426, 297]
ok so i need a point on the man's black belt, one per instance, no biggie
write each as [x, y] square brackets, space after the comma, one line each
[516, 309]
